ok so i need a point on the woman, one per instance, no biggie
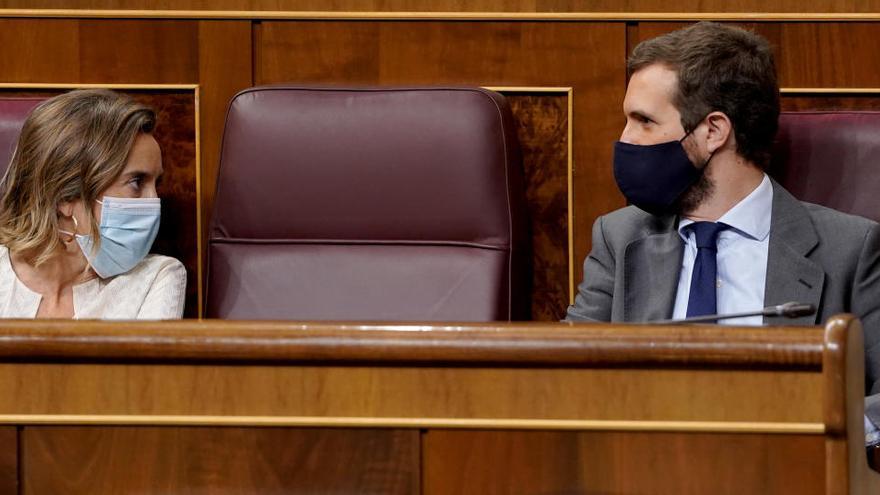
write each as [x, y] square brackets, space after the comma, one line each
[79, 213]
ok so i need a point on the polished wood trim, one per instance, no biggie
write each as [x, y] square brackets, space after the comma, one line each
[829, 91]
[843, 370]
[447, 423]
[569, 92]
[839, 470]
[571, 261]
[842, 334]
[10, 463]
[199, 238]
[530, 89]
[439, 16]
[25, 85]
[477, 390]
[523, 344]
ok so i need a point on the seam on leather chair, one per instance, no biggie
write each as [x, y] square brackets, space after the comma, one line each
[365, 242]
[362, 89]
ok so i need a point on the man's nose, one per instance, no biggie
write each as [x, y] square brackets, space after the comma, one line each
[628, 135]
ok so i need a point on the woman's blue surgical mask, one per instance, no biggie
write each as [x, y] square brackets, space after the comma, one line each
[128, 228]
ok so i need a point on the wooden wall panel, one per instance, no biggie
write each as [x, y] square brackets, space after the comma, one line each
[525, 6]
[90, 460]
[806, 102]
[517, 394]
[586, 57]
[714, 6]
[138, 51]
[8, 459]
[808, 55]
[475, 462]
[225, 68]
[314, 5]
[39, 50]
[542, 129]
[92, 51]
[828, 55]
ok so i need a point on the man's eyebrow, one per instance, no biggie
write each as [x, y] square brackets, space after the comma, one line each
[639, 113]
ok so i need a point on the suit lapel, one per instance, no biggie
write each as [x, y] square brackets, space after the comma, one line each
[791, 276]
[651, 270]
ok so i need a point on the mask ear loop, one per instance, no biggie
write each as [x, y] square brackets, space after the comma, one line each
[72, 235]
[85, 271]
[711, 154]
[686, 134]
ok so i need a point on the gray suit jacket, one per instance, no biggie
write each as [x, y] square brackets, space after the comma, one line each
[817, 255]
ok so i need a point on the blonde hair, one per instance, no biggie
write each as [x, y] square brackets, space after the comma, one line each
[72, 146]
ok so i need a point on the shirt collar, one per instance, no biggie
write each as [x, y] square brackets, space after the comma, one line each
[751, 216]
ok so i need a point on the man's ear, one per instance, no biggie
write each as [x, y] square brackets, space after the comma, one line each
[720, 131]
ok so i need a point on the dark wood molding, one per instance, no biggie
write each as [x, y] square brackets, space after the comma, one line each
[517, 344]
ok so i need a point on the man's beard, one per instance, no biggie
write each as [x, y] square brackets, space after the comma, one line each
[695, 195]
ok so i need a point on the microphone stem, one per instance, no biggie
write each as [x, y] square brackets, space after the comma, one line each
[710, 318]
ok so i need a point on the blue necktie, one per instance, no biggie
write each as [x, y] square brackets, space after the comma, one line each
[702, 299]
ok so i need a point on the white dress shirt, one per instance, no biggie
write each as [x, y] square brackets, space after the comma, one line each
[741, 259]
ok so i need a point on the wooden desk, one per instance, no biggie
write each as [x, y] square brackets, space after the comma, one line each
[281, 407]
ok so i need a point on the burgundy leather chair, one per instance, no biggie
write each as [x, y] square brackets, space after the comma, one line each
[831, 158]
[368, 204]
[13, 112]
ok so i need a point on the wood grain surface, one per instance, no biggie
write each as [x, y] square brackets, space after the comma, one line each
[524, 371]
[542, 129]
[505, 371]
[844, 367]
[225, 68]
[84, 460]
[95, 51]
[515, 344]
[808, 55]
[480, 462]
[830, 102]
[8, 459]
[516, 6]
[494, 420]
[404, 392]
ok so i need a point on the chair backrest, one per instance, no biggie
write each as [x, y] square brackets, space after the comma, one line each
[13, 112]
[368, 204]
[831, 158]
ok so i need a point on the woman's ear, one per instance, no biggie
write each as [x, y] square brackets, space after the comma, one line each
[65, 209]
[720, 131]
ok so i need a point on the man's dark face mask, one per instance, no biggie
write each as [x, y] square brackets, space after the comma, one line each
[653, 177]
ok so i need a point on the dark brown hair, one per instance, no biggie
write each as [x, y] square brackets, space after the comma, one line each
[725, 69]
[72, 146]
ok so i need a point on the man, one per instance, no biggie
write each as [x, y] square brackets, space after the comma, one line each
[709, 232]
